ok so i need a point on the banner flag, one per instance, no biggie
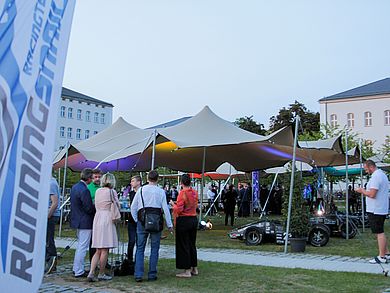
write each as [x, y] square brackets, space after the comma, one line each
[34, 39]
[255, 189]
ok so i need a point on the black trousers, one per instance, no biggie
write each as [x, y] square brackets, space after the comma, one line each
[229, 211]
[186, 255]
[132, 233]
[51, 249]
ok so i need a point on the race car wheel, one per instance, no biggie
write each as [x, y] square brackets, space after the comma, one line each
[253, 237]
[319, 235]
[351, 230]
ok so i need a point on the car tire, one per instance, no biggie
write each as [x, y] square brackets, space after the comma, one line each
[253, 237]
[319, 235]
[343, 230]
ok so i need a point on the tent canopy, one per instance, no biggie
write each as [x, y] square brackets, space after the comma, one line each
[110, 146]
[286, 168]
[326, 152]
[223, 142]
[124, 147]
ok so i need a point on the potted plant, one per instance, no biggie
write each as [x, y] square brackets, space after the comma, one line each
[299, 220]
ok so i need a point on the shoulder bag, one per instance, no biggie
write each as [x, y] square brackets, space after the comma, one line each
[151, 218]
[114, 209]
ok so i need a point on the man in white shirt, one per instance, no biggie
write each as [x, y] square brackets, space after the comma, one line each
[152, 197]
[210, 197]
[377, 202]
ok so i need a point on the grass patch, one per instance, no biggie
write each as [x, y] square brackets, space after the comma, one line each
[219, 277]
[363, 245]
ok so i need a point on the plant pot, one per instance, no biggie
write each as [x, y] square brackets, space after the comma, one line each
[298, 244]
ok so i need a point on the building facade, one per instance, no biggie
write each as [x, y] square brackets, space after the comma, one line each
[80, 117]
[365, 110]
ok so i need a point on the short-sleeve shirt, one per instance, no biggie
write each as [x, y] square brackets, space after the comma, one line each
[55, 190]
[380, 204]
[92, 189]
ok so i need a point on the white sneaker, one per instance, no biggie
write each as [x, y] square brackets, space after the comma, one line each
[387, 256]
[104, 277]
[378, 259]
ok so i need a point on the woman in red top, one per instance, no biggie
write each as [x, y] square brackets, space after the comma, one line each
[184, 212]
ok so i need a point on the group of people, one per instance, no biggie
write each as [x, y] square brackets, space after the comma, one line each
[230, 197]
[93, 197]
[92, 200]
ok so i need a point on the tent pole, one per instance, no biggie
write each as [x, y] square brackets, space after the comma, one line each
[218, 196]
[291, 182]
[346, 183]
[269, 194]
[202, 185]
[361, 181]
[154, 149]
[63, 188]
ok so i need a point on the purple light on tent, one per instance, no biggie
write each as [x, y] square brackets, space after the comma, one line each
[124, 164]
[276, 152]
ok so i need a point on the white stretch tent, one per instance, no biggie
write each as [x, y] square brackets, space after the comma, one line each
[220, 141]
[109, 147]
[326, 152]
[181, 147]
[124, 147]
[286, 168]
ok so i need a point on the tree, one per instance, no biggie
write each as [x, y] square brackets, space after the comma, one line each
[299, 222]
[386, 149]
[251, 125]
[310, 121]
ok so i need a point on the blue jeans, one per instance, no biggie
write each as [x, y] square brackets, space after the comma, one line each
[142, 237]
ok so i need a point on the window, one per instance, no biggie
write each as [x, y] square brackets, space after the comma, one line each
[69, 132]
[78, 114]
[95, 132]
[70, 113]
[387, 117]
[78, 133]
[88, 116]
[86, 136]
[62, 131]
[96, 117]
[333, 120]
[62, 111]
[350, 120]
[102, 118]
[367, 119]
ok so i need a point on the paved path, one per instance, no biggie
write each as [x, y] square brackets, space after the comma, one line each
[271, 259]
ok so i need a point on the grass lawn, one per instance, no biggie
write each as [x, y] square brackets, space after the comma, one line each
[363, 245]
[219, 277]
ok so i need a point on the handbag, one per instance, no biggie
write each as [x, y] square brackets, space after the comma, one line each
[151, 218]
[125, 268]
[114, 209]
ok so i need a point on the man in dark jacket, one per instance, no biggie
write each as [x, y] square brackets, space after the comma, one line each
[230, 204]
[82, 213]
[136, 182]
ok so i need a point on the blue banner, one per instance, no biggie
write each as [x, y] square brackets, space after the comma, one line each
[34, 37]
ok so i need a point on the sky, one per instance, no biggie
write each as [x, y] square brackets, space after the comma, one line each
[159, 60]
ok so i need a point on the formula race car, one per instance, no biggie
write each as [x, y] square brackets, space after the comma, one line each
[260, 231]
[321, 228]
[273, 231]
